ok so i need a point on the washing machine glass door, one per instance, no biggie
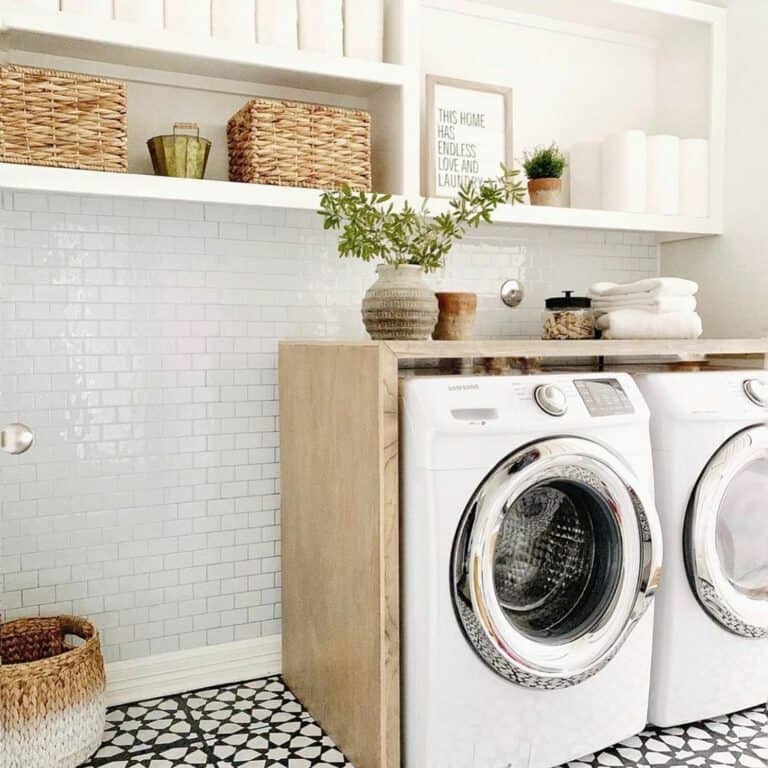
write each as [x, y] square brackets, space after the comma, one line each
[556, 558]
[726, 534]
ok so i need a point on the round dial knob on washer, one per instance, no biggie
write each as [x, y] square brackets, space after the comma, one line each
[757, 391]
[551, 399]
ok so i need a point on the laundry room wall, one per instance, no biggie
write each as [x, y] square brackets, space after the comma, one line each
[139, 341]
[732, 270]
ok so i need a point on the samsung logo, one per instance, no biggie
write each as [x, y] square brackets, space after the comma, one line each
[462, 387]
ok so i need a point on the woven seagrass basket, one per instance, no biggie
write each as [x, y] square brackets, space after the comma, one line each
[52, 707]
[294, 144]
[62, 119]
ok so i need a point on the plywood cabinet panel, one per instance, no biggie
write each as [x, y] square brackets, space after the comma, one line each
[338, 425]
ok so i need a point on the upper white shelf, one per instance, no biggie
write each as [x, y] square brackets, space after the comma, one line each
[114, 42]
[65, 181]
[653, 19]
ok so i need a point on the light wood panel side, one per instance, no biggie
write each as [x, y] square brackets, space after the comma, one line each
[338, 445]
[390, 558]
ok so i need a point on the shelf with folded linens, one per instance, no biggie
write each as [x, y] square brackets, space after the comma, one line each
[107, 41]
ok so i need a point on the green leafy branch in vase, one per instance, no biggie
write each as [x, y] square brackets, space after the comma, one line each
[373, 228]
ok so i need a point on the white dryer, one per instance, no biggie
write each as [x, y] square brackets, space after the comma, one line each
[531, 551]
[710, 444]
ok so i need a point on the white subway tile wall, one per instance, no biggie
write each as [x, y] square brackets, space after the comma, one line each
[138, 339]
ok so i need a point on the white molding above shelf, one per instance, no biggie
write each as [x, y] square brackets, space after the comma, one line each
[114, 42]
[65, 181]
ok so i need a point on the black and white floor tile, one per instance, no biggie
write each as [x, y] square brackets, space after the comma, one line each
[739, 740]
[261, 724]
[258, 724]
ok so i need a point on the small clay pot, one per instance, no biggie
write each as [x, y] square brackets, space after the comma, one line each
[456, 320]
[546, 192]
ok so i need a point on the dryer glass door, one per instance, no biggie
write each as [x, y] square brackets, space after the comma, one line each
[556, 558]
[726, 534]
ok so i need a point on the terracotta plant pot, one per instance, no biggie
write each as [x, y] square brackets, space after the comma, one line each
[400, 304]
[457, 316]
[545, 192]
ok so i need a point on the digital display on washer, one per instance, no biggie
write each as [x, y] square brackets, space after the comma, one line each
[604, 397]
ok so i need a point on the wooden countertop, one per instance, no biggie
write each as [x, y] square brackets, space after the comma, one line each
[680, 348]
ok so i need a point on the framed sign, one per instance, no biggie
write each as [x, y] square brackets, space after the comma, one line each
[469, 129]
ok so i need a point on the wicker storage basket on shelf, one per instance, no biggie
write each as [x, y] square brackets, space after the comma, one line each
[62, 119]
[51, 693]
[293, 144]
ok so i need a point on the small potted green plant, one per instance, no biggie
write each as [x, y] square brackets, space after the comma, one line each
[544, 168]
[407, 243]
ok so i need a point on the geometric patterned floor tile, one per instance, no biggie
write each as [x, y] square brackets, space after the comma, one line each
[257, 724]
[307, 748]
[244, 707]
[261, 724]
[739, 740]
[146, 728]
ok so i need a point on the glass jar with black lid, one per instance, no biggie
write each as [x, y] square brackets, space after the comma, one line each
[568, 317]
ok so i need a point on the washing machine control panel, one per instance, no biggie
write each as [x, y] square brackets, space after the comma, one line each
[757, 391]
[604, 397]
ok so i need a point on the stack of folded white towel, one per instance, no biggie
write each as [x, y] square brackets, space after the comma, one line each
[656, 308]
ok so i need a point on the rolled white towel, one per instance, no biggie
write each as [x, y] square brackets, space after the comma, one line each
[655, 286]
[637, 324]
[645, 303]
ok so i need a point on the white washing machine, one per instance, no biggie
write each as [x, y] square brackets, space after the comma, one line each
[710, 445]
[531, 551]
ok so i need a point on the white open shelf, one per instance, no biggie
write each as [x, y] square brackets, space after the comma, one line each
[114, 42]
[173, 77]
[65, 181]
[578, 71]
[582, 71]
[666, 228]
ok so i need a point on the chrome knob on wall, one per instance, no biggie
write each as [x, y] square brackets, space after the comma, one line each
[512, 293]
[16, 438]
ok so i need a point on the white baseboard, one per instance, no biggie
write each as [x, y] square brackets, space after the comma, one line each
[170, 673]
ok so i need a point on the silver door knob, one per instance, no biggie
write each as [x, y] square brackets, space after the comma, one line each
[16, 438]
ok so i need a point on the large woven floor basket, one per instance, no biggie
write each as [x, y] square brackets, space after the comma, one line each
[62, 119]
[52, 707]
[294, 144]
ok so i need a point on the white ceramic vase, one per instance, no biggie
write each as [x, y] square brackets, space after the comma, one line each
[400, 304]
[94, 9]
[364, 29]
[321, 26]
[189, 17]
[234, 20]
[147, 13]
[277, 23]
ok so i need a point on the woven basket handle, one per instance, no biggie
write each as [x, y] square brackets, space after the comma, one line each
[73, 625]
[186, 127]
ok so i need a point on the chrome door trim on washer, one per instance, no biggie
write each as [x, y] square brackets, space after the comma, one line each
[736, 612]
[512, 654]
